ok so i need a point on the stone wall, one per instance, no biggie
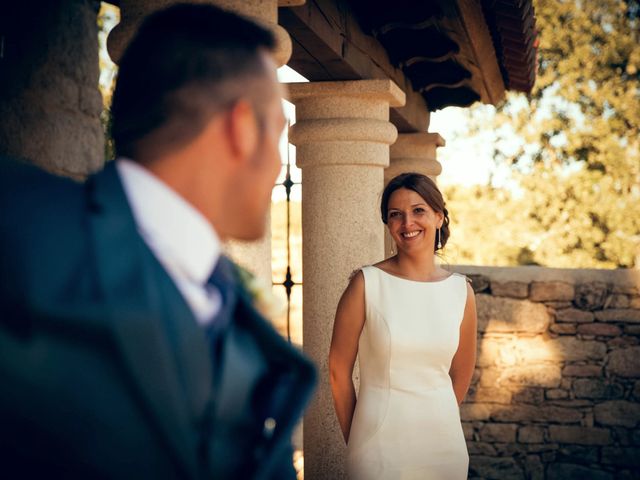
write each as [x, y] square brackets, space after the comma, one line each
[50, 103]
[556, 391]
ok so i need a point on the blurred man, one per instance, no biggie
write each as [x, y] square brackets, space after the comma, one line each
[128, 346]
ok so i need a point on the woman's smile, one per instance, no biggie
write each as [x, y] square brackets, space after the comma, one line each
[411, 235]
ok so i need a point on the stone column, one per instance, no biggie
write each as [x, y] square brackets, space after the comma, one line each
[255, 256]
[342, 136]
[264, 12]
[50, 104]
[412, 152]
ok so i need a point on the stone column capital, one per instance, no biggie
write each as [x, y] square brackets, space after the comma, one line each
[263, 12]
[344, 123]
[417, 144]
[377, 90]
[415, 152]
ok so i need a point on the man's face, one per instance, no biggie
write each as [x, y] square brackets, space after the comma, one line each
[253, 192]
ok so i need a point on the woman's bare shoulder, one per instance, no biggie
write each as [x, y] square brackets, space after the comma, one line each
[469, 286]
[387, 264]
[467, 279]
[356, 275]
[355, 287]
[381, 264]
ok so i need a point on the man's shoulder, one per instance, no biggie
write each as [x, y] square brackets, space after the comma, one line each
[13, 168]
[42, 229]
[29, 189]
[37, 207]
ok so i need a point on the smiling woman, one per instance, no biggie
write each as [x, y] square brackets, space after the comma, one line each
[412, 207]
[413, 326]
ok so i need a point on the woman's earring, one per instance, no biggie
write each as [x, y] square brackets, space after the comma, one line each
[392, 250]
[439, 239]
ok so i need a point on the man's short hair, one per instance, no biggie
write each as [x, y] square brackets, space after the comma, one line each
[185, 64]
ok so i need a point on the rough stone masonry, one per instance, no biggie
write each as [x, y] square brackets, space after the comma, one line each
[556, 391]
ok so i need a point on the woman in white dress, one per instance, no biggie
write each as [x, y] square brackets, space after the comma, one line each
[413, 326]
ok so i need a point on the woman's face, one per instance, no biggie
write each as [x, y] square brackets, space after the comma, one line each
[411, 221]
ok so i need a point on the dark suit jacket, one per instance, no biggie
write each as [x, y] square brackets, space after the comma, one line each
[104, 372]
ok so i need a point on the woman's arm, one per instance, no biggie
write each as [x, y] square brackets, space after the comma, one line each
[347, 327]
[464, 361]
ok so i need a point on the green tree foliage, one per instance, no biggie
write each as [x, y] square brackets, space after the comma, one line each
[486, 227]
[575, 161]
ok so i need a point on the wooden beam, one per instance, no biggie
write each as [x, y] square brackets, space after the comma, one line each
[328, 44]
[479, 46]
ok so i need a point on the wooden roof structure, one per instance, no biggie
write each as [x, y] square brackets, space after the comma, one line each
[440, 52]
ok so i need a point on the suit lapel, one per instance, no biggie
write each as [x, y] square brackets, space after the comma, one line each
[189, 344]
[126, 278]
[279, 379]
[287, 389]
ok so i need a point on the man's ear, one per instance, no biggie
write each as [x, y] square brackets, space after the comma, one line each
[243, 130]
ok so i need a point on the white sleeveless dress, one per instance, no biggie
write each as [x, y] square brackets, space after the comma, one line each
[407, 423]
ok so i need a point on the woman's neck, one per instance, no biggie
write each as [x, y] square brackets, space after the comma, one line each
[421, 265]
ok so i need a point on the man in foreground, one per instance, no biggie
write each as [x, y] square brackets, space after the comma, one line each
[129, 347]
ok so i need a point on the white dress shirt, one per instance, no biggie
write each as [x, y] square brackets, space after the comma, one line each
[180, 237]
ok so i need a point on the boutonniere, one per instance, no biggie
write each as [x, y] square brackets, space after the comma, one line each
[261, 293]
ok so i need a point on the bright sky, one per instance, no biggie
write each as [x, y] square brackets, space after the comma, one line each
[465, 161]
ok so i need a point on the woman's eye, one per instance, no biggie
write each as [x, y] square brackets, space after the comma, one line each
[418, 210]
[394, 214]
